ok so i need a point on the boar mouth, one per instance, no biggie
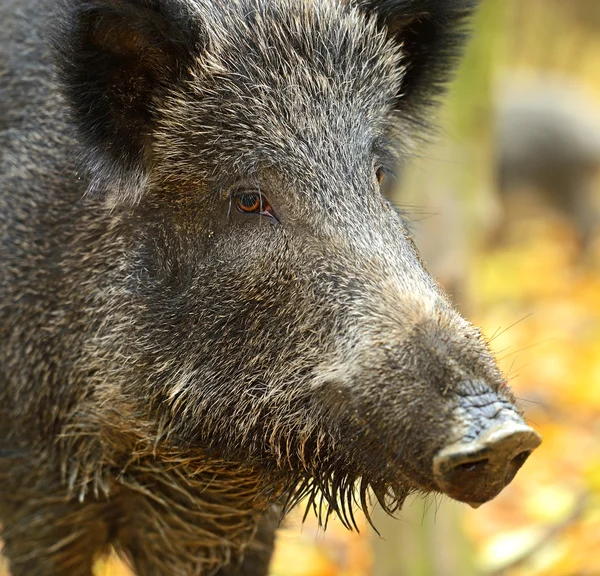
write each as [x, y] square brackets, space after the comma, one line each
[490, 444]
[472, 472]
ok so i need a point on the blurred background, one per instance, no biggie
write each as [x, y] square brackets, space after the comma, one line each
[505, 208]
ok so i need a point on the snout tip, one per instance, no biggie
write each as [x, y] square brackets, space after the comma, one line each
[477, 471]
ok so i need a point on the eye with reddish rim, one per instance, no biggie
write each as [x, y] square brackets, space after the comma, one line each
[252, 202]
[380, 175]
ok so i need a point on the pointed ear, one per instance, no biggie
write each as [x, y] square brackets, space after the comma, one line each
[431, 34]
[115, 61]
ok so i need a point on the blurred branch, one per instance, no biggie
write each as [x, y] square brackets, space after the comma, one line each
[552, 532]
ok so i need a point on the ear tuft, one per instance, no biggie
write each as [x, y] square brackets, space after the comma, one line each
[116, 59]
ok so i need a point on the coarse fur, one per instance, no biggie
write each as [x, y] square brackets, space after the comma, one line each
[173, 372]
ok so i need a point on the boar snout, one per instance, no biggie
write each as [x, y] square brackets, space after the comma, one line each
[484, 461]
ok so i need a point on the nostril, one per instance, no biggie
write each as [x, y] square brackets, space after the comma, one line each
[475, 466]
[515, 464]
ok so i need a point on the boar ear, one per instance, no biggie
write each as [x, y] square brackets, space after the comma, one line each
[431, 34]
[115, 60]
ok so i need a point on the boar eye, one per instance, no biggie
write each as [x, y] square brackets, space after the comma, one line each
[253, 203]
[385, 179]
